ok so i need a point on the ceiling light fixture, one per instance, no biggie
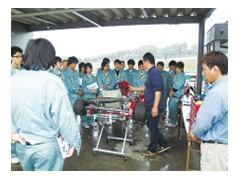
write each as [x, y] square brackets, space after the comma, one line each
[180, 14]
[193, 14]
[129, 17]
[165, 15]
[153, 15]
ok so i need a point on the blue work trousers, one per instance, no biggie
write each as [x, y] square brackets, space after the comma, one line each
[87, 120]
[156, 136]
[42, 157]
[13, 150]
[173, 110]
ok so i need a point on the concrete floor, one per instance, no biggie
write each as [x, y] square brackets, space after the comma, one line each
[171, 160]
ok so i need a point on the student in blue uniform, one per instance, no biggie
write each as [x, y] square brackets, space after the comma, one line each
[118, 74]
[99, 71]
[130, 72]
[175, 94]
[172, 72]
[88, 79]
[71, 80]
[81, 69]
[16, 59]
[140, 77]
[64, 66]
[165, 75]
[82, 72]
[123, 65]
[56, 70]
[105, 79]
[40, 111]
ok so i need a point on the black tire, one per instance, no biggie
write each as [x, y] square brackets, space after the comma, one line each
[139, 112]
[79, 107]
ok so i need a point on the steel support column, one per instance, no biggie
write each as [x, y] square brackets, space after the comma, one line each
[200, 54]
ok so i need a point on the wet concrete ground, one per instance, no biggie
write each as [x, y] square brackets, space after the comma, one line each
[172, 160]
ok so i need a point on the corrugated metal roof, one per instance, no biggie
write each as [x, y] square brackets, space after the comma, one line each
[64, 18]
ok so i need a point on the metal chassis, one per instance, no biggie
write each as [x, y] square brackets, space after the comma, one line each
[124, 139]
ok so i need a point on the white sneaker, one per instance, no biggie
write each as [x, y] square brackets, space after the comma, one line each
[86, 126]
[170, 125]
[15, 160]
[167, 120]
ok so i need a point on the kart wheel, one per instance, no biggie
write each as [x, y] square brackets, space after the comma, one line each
[79, 107]
[139, 112]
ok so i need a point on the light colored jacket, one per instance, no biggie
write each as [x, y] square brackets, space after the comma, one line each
[40, 108]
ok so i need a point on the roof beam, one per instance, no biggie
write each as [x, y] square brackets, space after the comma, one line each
[131, 12]
[83, 24]
[28, 22]
[33, 17]
[105, 14]
[15, 11]
[50, 12]
[123, 22]
[159, 11]
[157, 20]
[59, 17]
[173, 12]
[209, 12]
[144, 12]
[118, 13]
[87, 19]
[44, 20]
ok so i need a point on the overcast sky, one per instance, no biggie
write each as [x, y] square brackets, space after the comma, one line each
[90, 42]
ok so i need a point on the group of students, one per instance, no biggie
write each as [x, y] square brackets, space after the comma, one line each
[41, 110]
[77, 82]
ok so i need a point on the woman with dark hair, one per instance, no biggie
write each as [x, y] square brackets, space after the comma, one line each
[90, 89]
[100, 70]
[41, 111]
[56, 70]
[81, 68]
[175, 94]
[118, 74]
[105, 79]
[140, 77]
[130, 72]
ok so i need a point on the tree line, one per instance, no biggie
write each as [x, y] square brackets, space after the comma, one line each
[174, 50]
